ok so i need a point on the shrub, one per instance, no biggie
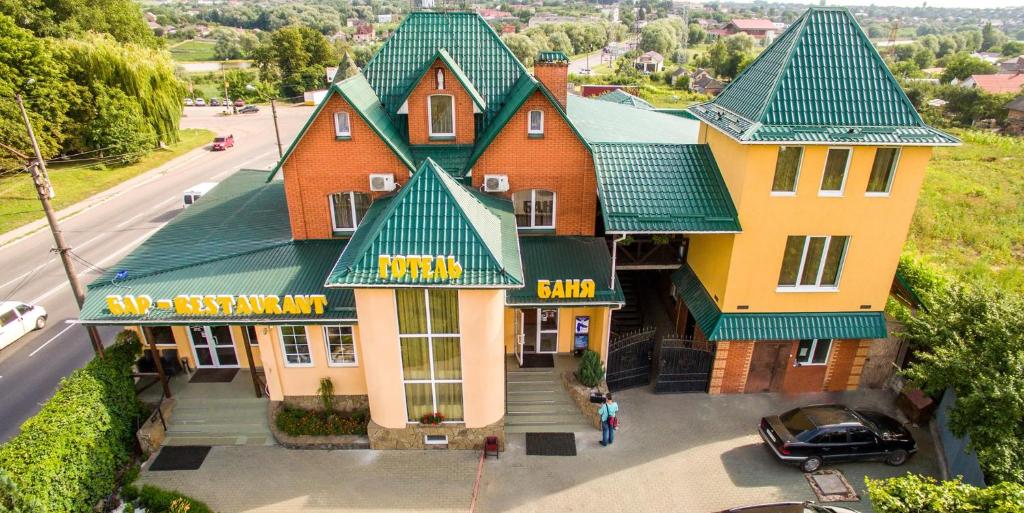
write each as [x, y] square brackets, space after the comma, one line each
[326, 394]
[591, 372]
[67, 456]
[918, 494]
[157, 500]
[298, 421]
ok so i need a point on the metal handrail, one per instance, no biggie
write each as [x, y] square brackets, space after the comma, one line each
[159, 413]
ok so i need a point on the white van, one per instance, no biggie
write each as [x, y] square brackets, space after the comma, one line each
[197, 191]
[17, 319]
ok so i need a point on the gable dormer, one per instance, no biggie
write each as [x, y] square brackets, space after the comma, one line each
[442, 104]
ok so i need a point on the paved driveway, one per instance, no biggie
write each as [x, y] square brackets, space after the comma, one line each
[674, 453]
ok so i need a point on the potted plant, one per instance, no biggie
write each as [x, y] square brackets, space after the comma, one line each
[432, 419]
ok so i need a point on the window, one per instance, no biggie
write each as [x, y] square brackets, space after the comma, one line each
[834, 178]
[160, 335]
[23, 309]
[341, 346]
[428, 334]
[837, 436]
[341, 125]
[536, 123]
[787, 170]
[862, 436]
[8, 317]
[250, 335]
[813, 352]
[441, 110]
[882, 171]
[535, 208]
[295, 346]
[348, 209]
[812, 262]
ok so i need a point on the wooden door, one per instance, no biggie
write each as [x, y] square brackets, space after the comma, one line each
[768, 366]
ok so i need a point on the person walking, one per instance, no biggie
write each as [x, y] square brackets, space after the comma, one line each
[609, 420]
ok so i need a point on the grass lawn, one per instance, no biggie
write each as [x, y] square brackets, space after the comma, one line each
[970, 217]
[73, 183]
[193, 50]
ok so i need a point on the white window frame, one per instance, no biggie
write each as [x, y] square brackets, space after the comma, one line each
[799, 167]
[892, 173]
[284, 350]
[430, 353]
[810, 353]
[327, 346]
[821, 267]
[846, 172]
[533, 210]
[529, 123]
[430, 117]
[253, 340]
[352, 207]
[338, 132]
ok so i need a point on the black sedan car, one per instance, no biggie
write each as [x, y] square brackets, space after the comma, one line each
[789, 507]
[814, 435]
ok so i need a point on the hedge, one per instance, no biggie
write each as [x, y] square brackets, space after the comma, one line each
[67, 456]
[918, 494]
[158, 500]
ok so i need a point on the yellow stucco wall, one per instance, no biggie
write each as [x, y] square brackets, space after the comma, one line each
[283, 380]
[382, 358]
[877, 227]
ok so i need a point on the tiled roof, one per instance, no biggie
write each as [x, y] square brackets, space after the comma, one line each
[999, 83]
[466, 37]
[451, 157]
[436, 216]
[456, 70]
[1016, 104]
[552, 57]
[671, 188]
[822, 72]
[753, 24]
[565, 258]
[772, 326]
[623, 98]
[236, 240]
[601, 121]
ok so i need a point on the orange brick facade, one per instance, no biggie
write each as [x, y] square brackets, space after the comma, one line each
[465, 123]
[558, 162]
[320, 165]
[555, 77]
[731, 368]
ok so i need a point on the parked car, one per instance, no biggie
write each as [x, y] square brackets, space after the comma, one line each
[189, 102]
[225, 101]
[239, 103]
[214, 102]
[811, 436]
[17, 319]
[248, 109]
[200, 102]
[789, 507]
[223, 142]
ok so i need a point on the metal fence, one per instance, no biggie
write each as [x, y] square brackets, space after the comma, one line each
[960, 460]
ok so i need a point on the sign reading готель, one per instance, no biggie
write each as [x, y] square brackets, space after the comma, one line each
[418, 267]
[215, 305]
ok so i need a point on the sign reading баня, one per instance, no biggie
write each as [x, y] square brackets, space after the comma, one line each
[562, 289]
[418, 267]
[213, 305]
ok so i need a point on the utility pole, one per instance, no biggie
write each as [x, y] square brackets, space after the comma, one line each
[273, 110]
[38, 170]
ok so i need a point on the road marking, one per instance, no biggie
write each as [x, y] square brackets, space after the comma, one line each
[22, 275]
[40, 348]
[150, 211]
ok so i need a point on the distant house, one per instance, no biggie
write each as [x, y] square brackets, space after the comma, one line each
[494, 14]
[385, 18]
[996, 84]
[508, 28]
[1015, 116]
[706, 84]
[1012, 65]
[547, 19]
[762, 30]
[364, 33]
[989, 57]
[716, 33]
[353, 22]
[938, 103]
[650, 62]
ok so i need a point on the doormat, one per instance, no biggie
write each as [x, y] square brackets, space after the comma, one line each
[538, 361]
[831, 486]
[180, 457]
[213, 376]
[550, 444]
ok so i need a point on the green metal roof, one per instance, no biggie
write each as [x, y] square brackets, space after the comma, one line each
[487, 63]
[623, 98]
[565, 258]
[669, 188]
[358, 93]
[236, 240]
[456, 70]
[822, 72]
[601, 121]
[453, 158]
[434, 215]
[552, 57]
[771, 326]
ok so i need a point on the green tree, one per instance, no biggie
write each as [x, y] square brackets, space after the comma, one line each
[297, 56]
[627, 15]
[991, 36]
[559, 42]
[118, 126]
[122, 19]
[696, 34]
[522, 47]
[729, 55]
[923, 57]
[1013, 48]
[658, 37]
[972, 341]
[918, 494]
[962, 65]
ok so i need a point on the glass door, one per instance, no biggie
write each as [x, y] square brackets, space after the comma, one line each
[547, 334]
[224, 346]
[529, 327]
[212, 346]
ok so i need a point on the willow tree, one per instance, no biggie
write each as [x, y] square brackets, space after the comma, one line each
[97, 63]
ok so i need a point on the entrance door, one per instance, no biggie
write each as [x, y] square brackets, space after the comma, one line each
[518, 338]
[768, 366]
[540, 330]
[212, 346]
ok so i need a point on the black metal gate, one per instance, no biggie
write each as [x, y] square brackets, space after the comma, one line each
[683, 366]
[629, 359]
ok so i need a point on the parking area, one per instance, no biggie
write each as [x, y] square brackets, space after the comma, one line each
[680, 453]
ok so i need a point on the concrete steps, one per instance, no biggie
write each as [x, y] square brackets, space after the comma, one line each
[537, 402]
[207, 421]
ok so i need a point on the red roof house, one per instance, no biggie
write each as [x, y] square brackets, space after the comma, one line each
[996, 84]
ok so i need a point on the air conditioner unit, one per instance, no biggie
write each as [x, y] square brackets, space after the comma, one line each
[495, 183]
[382, 182]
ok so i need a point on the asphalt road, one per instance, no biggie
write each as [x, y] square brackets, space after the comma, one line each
[100, 235]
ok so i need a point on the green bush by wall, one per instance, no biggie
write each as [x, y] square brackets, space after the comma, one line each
[591, 372]
[918, 494]
[67, 456]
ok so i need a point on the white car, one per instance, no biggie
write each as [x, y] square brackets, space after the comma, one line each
[200, 102]
[189, 102]
[17, 319]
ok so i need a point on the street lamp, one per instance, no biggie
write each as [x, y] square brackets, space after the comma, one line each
[273, 110]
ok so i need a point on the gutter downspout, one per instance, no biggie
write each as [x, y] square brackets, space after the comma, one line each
[615, 251]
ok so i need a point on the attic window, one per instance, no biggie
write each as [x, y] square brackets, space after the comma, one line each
[441, 116]
[439, 79]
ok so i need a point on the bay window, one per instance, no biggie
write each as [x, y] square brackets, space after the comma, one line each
[441, 114]
[812, 262]
[428, 327]
[348, 209]
[534, 208]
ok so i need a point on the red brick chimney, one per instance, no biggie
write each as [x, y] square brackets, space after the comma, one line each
[552, 70]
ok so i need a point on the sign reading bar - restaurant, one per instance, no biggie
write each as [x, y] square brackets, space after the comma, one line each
[418, 267]
[214, 305]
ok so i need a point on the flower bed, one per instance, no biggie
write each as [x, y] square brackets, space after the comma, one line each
[300, 422]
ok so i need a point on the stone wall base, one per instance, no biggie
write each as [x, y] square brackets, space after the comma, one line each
[152, 433]
[329, 442]
[412, 437]
[341, 402]
[581, 396]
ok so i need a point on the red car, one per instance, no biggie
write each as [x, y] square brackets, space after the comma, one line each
[223, 142]
[239, 103]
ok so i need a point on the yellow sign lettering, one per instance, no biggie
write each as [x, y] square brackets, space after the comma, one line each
[544, 289]
[418, 267]
[383, 264]
[213, 305]
[561, 289]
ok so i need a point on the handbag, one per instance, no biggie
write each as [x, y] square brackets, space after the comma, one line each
[613, 420]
